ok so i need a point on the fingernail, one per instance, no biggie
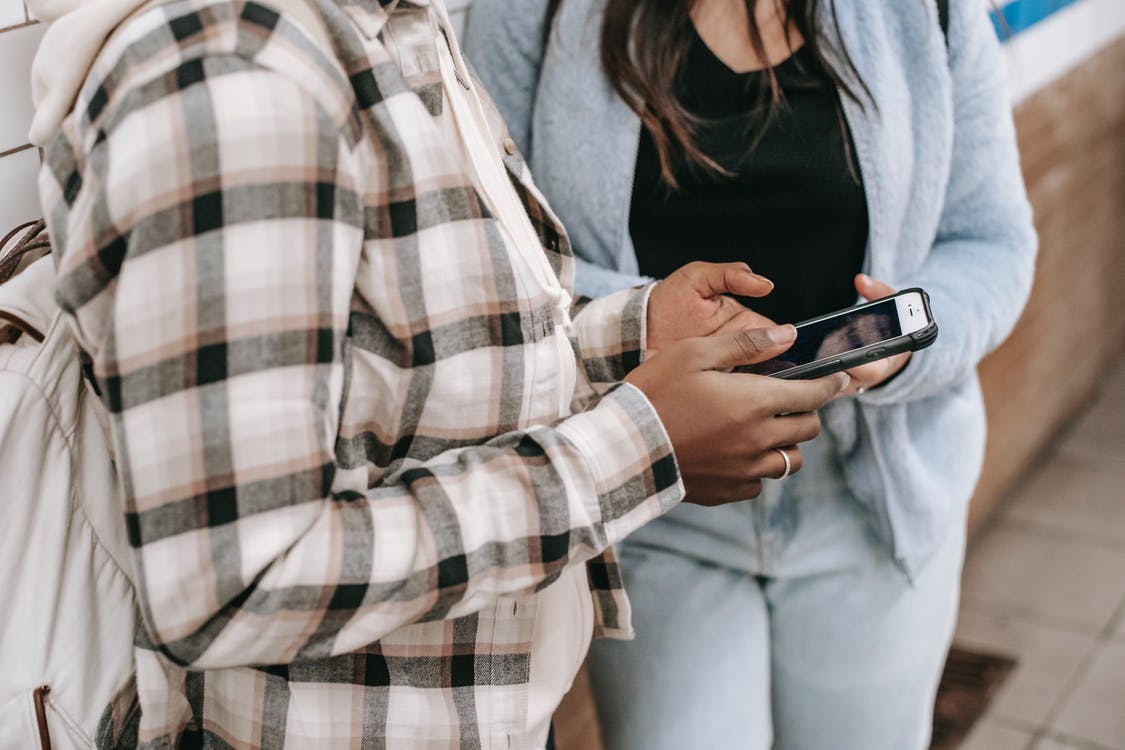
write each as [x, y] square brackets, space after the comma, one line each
[782, 334]
[864, 278]
[756, 276]
[845, 382]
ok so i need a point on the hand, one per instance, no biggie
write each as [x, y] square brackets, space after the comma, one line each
[876, 373]
[725, 426]
[692, 302]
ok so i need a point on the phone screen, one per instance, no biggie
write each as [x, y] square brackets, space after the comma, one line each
[834, 336]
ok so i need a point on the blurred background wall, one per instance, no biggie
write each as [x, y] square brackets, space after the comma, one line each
[18, 162]
[1066, 68]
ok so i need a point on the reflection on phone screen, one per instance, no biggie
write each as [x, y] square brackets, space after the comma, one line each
[835, 336]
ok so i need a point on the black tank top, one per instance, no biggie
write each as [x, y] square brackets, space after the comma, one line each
[793, 208]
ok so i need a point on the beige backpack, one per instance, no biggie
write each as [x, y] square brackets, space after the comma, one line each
[66, 591]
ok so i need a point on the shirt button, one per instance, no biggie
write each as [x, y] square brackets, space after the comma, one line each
[510, 146]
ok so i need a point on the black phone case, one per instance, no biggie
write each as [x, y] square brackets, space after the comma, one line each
[909, 342]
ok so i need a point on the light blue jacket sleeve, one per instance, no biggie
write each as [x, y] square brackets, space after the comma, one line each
[503, 41]
[980, 270]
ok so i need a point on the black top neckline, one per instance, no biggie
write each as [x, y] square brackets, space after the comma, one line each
[794, 59]
[709, 88]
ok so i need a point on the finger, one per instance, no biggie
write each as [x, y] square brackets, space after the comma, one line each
[793, 429]
[872, 289]
[751, 489]
[714, 279]
[875, 373]
[760, 437]
[742, 347]
[771, 465]
[743, 319]
[796, 459]
[748, 489]
[795, 396]
[720, 493]
[867, 375]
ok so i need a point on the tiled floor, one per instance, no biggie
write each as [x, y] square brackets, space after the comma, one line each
[1045, 583]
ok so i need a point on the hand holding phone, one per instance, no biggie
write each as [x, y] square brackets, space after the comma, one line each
[859, 335]
[729, 432]
[877, 372]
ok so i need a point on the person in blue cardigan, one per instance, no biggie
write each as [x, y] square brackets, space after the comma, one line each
[843, 150]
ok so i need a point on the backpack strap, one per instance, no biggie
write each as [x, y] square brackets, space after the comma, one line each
[35, 239]
[25, 306]
[943, 18]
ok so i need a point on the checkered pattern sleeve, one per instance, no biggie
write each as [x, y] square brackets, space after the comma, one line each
[214, 295]
[610, 333]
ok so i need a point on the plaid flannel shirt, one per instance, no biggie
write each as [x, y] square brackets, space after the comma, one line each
[333, 386]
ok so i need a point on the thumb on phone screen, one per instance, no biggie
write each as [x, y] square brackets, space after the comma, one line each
[746, 347]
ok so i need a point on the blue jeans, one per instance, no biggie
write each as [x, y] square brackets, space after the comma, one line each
[778, 622]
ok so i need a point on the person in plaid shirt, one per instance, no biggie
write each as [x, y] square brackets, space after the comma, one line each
[374, 458]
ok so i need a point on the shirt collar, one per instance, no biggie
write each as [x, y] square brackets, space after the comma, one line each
[371, 15]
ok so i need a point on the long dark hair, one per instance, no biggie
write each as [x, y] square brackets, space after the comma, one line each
[643, 47]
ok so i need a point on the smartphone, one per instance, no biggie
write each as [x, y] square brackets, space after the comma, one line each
[865, 333]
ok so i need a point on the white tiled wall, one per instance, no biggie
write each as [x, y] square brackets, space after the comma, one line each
[16, 49]
[18, 162]
[12, 13]
[18, 186]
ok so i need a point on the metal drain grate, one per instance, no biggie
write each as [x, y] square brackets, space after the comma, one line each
[968, 684]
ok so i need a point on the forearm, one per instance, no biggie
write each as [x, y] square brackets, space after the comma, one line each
[437, 541]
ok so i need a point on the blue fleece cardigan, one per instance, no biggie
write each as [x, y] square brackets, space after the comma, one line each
[947, 204]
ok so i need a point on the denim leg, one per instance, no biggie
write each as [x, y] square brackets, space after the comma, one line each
[857, 650]
[698, 674]
[782, 617]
